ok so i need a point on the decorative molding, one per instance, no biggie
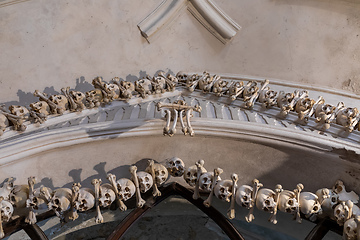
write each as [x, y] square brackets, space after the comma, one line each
[205, 11]
[214, 19]
[24, 201]
[161, 16]
[129, 109]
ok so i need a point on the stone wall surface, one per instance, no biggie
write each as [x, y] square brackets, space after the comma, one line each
[52, 44]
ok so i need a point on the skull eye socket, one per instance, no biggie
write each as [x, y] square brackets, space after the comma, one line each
[56, 201]
[338, 212]
[205, 179]
[188, 174]
[315, 208]
[333, 199]
[290, 202]
[177, 162]
[107, 195]
[7, 209]
[127, 189]
[267, 202]
[245, 198]
[162, 172]
[146, 179]
[83, 201]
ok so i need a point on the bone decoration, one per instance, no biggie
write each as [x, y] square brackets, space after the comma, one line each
[334, 203]
[178, 111]
[251, 93]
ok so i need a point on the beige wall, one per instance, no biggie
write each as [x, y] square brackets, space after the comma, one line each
[48, 43]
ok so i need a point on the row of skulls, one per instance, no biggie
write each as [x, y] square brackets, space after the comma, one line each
[335, 203]
[116, 89]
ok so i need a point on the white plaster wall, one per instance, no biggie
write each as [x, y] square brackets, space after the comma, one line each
[49, 43]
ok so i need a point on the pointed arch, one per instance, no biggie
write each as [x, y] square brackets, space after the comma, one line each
[170, 190]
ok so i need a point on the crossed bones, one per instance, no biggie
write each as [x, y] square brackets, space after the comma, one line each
[176, 110]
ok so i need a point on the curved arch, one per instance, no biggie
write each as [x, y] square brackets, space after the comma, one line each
[176, 189]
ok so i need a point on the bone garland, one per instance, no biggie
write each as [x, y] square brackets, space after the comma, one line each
[31, 202]
[231, 211]
[73, 215]
[217, 172]
[124, 90]
[199, 165]
[112, 180]
[256, 186]
[139, 201]
[96, 182]
[177, 109]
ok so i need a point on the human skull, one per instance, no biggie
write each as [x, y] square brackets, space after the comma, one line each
[323, 111]
[182, 76]
[77, 96]
[60, 202]
[309, 205]
[284, 99]
[94, 97]
[6, 189]
[250, 89]
[205, 82]
[85, 200]
[19, 111]
[328, 200]
[60, 101]
[41, 107]
[265, 200]
[350, 230]
[113, 90]
[288, 202]
[161, 173]
[126, 188]
[19, 195]
[4, 123]
[223, 190]
[106, 195]
[343, 212]
[175, 166]
[6, 209]
[206, 181]
[190, 175]
[145, 181]
[243, 195]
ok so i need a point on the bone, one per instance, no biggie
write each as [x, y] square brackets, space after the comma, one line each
[231, 211]
[156, 191]
[313, 108]
[250, 103]
[183, 128]
[217, 172]
[139, 201]
[112, 180]
[168, 120]
[235, 89]
[256, 186]
[191, 85]
[199, 164]
[73, 105]
[44, 191]
[31, 218]
[278, 190]
[73, 215]
[172, 130]
[42, 97]
[189, 128]
[96, 182]
[297, 191]
[7, 188]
